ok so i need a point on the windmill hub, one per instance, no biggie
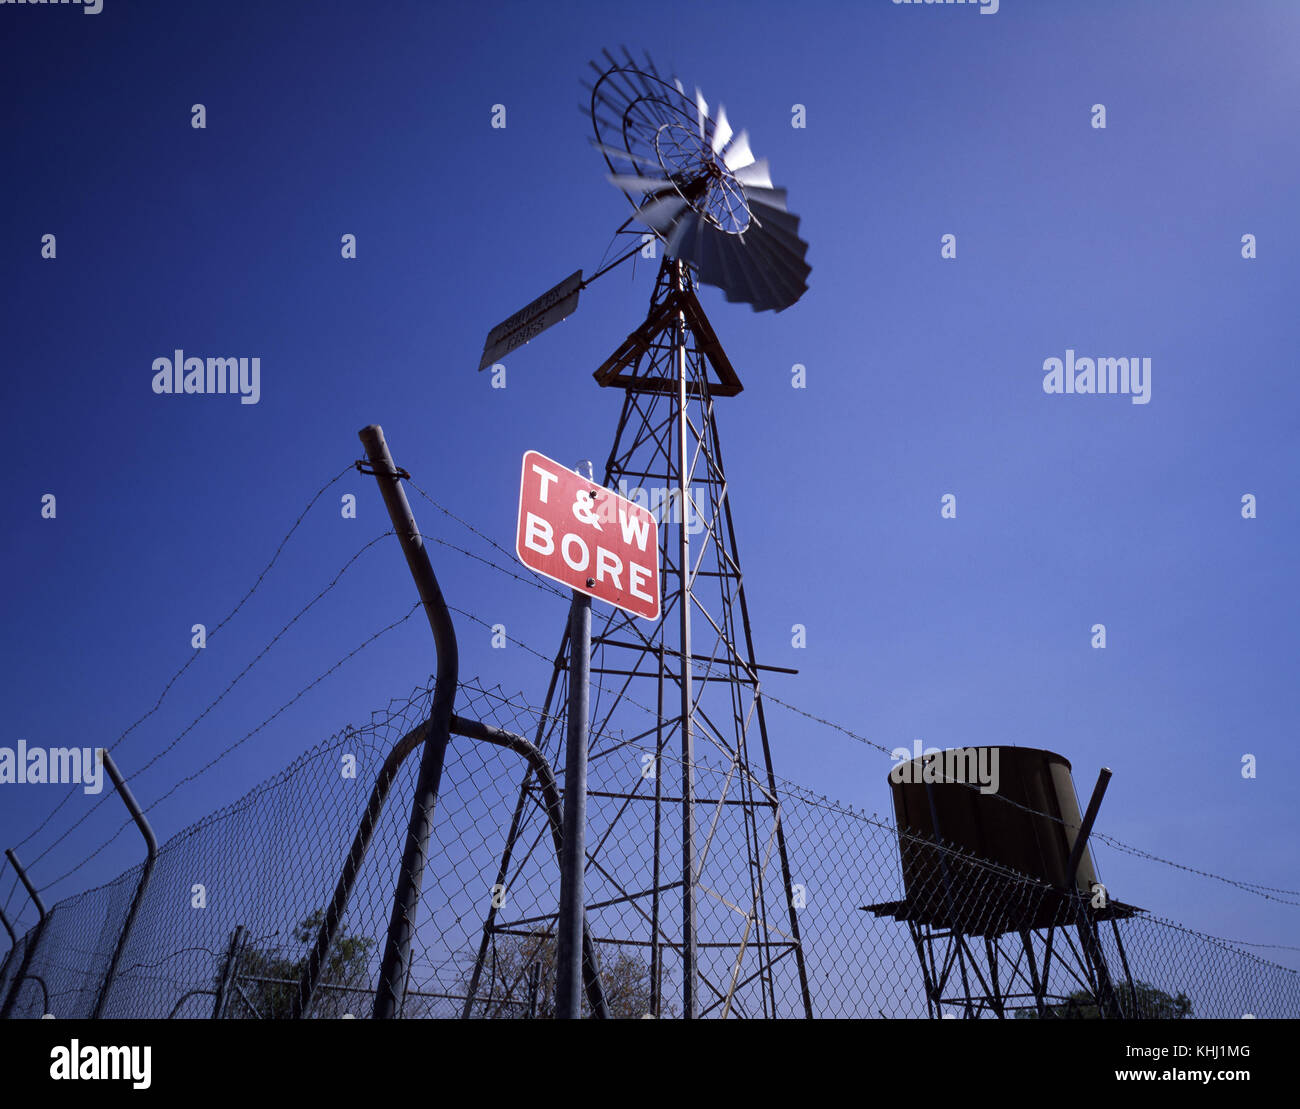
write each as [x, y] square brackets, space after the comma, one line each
[702, 178]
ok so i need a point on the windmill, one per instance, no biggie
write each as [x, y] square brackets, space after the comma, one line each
[686, 858]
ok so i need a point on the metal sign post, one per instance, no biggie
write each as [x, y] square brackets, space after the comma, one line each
[573, 855]
[600, 545]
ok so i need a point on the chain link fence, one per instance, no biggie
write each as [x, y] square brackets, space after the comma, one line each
[235, 903]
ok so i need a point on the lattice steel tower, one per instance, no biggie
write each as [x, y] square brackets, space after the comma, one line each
[687, 870]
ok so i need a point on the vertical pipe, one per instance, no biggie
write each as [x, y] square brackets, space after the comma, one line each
[13, 945]
[568, 981]
[35, 934]
[228, 971]
[690, 980]
[151, 856]
[390, 990]
[654, 904]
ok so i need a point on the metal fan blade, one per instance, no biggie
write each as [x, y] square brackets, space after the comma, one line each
[635, 182]
[782, 227]
[740, 286]
[768, 217]
[721, 130]
[756, 175]
[709, 258]
[786, 272]
[681, 236]
[702, 109]
[626, 155]
[738, 153]
[660, 214]
[775, 284]
[773, 198]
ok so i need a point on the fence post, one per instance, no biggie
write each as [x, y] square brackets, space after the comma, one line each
[13, 944]
[151, 856]
[390, 990]
[228, 972]
[573, 851]
[35, 934]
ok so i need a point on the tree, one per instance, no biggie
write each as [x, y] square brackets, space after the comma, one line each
[1144, 1001]
[516, 964]
[269, 980]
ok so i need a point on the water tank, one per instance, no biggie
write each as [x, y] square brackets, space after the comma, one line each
[1002, 828]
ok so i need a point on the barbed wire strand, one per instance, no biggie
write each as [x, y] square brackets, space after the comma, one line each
[223, 694]
[1258, 889]
[190, 662]
[245, 737]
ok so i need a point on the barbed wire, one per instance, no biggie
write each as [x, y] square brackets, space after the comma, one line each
[104, 798]
[194, 657]
[243, 739]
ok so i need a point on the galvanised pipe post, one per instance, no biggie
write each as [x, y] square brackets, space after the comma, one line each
[573, 850]
[390, 990]
[690, 968]
[228, 971]
[151, 856]
[35, 934]
[13, 944]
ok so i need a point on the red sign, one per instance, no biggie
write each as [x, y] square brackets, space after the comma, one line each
[577, 533]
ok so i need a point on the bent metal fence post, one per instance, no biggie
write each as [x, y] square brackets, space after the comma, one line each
[406, 895]
[151, 857]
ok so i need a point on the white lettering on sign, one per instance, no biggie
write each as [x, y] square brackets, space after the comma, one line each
[563, 533]
[634, 527]
[567, 544]
[637, 576]
[545, 478]
[539, 529]
[608, 560]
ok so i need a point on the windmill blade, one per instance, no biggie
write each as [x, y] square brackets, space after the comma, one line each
[681, 237]
[786, 270]
[626, 155]
[772, 198]
[634, 182]
[702, 110]
[738, 153]
[708, 259]
[740, 286]
[660, 214]
[765, 295]
[781, 227]
[756, 175]
[721, 130]
[767, 217]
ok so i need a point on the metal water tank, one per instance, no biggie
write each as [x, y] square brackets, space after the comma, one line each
[1020, 837]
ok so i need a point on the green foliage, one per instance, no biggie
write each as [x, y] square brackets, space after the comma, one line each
[1144, 1002]
[269, 980]
[514, 963]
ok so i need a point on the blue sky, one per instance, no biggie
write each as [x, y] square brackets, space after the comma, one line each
[924, 377]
